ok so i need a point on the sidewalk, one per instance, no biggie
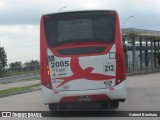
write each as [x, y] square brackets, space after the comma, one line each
[18, 84]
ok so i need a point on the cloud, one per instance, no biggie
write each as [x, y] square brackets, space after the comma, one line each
[19, 20]
[2, 5]
[21, 42]
[26, 12]
[13, 32]
[29, 11]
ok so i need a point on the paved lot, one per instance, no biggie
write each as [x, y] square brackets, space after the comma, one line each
[143, 95]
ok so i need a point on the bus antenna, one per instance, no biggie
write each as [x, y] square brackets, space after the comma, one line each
[62, 8]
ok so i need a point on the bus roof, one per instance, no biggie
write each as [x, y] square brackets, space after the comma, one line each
[71, 11]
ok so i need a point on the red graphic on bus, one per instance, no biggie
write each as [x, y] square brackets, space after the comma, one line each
[79, 73]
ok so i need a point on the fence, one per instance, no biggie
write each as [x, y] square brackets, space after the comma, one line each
[141, 69]
[13, 71]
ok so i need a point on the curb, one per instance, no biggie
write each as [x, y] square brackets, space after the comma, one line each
[142, 72]
[20, 92]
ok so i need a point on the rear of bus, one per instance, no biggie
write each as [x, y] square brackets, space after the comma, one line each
[82, 58]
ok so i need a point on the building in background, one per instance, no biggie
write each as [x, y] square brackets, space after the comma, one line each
[143, 49]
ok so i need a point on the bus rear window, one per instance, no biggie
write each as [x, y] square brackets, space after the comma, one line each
[73, 27]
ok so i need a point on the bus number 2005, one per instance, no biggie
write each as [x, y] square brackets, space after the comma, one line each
[60, 64]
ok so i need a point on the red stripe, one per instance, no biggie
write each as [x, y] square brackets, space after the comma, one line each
[79, 73]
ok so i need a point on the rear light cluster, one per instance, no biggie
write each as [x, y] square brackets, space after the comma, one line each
[45, 75]
[48, 71]
[120, 69]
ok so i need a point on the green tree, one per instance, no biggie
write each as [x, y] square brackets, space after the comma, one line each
[16, 66]
[31, 65]
[3, 59]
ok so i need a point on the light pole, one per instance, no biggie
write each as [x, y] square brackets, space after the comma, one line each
[126, 53]
[127, 20]
[62, 8]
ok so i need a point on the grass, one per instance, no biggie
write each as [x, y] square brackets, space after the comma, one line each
[31, 79]
[15, 73]
[18, 89]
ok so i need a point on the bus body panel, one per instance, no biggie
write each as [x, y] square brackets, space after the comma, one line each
[51, 96]
[83, 73]
[60, 80]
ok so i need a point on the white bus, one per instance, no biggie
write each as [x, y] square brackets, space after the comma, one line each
[82, 58]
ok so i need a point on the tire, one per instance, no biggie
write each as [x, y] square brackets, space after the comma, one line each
[63, 106]
[114, 104]
[104, 104]
[53, 106]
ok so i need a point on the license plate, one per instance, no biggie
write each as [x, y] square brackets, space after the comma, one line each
[84, 99]
[108, 83]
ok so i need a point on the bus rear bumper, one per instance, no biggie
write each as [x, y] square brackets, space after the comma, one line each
[117, 93]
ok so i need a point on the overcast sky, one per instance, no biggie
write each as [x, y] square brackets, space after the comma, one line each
[19, 20]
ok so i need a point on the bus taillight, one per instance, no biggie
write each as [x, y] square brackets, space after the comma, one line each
[120, 76]
[48, 72]
[45, 77]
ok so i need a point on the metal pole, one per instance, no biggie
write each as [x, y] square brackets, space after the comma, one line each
[146, 53]
[134, 53]
[152, 54]
[125, 53]
[141, 67]
[127, 20]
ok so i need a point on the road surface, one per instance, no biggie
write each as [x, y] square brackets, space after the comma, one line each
[143, 95]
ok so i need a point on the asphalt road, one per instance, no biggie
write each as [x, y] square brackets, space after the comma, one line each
[143, 95]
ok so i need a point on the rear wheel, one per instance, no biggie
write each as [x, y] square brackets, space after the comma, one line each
[62, 106]
[114, 104]
[104, 104]
[53, 106]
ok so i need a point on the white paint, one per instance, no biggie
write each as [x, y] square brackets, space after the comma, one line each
[50, 97]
